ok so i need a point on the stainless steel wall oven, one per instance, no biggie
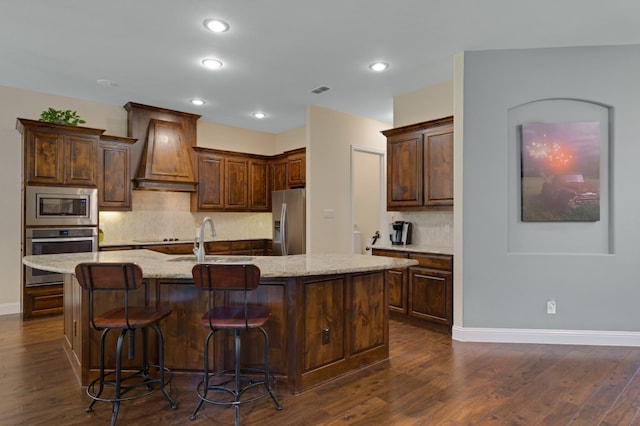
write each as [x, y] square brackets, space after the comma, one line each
[53, 241]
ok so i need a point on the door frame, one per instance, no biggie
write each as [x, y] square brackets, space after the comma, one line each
[382, 157]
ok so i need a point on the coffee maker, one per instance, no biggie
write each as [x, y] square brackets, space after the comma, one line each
[400, 232]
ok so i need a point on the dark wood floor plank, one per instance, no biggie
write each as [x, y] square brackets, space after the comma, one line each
[428, 380]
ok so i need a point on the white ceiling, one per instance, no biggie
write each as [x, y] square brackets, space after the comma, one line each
[277, 51]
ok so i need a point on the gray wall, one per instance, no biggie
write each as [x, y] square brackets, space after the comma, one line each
[511, 268]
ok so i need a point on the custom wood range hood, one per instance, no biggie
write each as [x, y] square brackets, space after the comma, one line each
[165, 158]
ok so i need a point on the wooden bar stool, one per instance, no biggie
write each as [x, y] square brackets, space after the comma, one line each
[124, 385]
[233, 387]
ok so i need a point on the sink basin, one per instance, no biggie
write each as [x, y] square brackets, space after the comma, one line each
[214, 259]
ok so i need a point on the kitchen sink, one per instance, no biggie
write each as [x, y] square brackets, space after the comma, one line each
[214, 259]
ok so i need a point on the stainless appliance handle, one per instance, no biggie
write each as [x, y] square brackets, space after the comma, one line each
[283, 227]
[59, 240]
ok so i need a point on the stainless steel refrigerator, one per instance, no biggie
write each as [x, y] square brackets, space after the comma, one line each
[289, 222]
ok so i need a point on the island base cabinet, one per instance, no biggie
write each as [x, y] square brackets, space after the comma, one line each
[345, 326]
[320, 327]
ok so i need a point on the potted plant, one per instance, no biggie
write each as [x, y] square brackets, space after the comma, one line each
[59, 116]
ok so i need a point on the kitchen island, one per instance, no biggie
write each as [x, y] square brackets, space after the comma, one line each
[329, 312]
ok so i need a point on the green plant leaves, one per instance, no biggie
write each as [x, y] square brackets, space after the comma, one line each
[53, 115]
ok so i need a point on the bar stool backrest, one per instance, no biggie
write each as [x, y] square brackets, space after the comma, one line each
[243, 277]
[226, 276]
[95, 276]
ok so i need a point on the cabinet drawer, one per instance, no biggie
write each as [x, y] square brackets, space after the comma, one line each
[241, 245]
[444, 262]
[217, 247]
[390, 253]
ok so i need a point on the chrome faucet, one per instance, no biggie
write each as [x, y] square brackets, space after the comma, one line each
[198, 245]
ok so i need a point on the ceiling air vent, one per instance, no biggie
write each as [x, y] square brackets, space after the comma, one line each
[320, 90]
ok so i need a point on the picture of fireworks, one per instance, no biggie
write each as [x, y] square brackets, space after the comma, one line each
[560, 165]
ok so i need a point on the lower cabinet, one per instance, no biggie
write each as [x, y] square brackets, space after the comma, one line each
[422, 294]
[259, 247]
[42, 301]
[397, 282]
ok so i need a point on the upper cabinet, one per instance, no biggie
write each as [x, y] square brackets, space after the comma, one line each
[114, 174]
[420, 166]
[259, 188]
[289, 170]
[59, 154]
[233, 181]
[296, 168]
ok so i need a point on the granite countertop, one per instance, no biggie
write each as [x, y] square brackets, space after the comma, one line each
[414, 248]
[159, 265]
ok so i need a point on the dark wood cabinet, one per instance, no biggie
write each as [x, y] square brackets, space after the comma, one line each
[279, 168]
[114, 173]
[296, 169]
[289, 170]
[420, 166]
[59, 154]
[236, 189]
[431, 289]
[422, 294]
[397, 280]
[42, 301]
[259, 188]
[210, 193]
[257, 247]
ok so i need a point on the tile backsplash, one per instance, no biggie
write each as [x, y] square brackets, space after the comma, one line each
[428, 228]
[159, 215]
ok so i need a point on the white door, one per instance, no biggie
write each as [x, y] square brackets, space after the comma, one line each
[368, 195]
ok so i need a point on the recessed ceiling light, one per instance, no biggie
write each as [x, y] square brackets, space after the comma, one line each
[212, 64]
[378, 66]
[259, 115]
[105, 82]
[216, 25]
[197, 102]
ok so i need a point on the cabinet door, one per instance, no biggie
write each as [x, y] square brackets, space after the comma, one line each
[431, 295]
[324, 322]
[114, 180]
[438, 181]
[279, 175]
[45, 158]
[405, 171]
[396, 281]
[259, 194]
[296, 173]
[80, 160]
[210, 182]
[236, 184]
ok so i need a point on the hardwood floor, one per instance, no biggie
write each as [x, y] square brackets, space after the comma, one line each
[428, 380]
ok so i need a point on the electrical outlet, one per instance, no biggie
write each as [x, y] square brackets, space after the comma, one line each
[551, 306]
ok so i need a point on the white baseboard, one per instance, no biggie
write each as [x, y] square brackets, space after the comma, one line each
[541, 336]
[9, 308]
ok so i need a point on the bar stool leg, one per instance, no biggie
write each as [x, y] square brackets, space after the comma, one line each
[267, 376]
[205, 380]
[236, 335]
[174, 405]
[103, 337]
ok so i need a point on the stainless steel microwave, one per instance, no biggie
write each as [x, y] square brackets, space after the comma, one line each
[61, 206]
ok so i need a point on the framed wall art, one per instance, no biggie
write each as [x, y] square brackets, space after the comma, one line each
[560, 167]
